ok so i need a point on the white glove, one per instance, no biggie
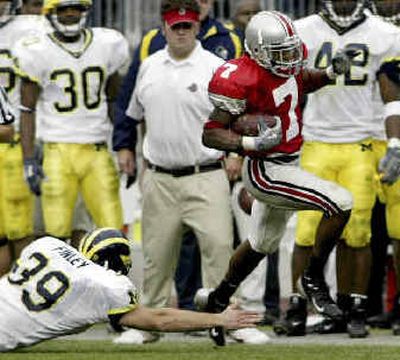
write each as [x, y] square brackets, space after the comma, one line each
[267, 138]
[389, 166]
[341, 62]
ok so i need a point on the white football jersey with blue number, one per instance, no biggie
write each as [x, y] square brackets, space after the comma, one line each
[53, 290]
[72, 106]
[343, 111]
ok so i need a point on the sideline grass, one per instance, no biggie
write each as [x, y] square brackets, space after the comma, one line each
[105, 350]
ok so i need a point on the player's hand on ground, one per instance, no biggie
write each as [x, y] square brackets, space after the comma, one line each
[234, 318]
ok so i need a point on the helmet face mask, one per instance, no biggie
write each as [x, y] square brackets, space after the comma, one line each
[109, 248]
[67, 17]
[271, 40]
[343, 13]
[388, 10]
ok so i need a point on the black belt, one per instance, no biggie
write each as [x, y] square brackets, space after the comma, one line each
[186, 170]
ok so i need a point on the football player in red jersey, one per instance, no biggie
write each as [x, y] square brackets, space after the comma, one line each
[270, 80]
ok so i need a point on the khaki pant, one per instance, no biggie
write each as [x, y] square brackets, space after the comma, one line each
[171, 204]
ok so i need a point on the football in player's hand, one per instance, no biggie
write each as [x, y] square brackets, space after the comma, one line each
[248, 124]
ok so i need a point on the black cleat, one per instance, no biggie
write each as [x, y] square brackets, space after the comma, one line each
[317, 292]
[380, 321]
[328, 326]
[395, 316]
[357, 328]
[205, 301]
[396, 327]
[294, 323]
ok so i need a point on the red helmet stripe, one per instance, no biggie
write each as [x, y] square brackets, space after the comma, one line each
[286, 22]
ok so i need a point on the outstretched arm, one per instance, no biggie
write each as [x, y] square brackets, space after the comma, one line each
[341, 63]
[168, 319]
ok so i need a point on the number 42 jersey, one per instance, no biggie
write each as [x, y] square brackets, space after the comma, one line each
[72, 106]
[53, 290]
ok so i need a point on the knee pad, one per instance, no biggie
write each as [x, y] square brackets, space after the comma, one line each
[307, 223]
[393, 210]
[357, 232]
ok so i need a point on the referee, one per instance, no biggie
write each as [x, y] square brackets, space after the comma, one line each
[7, 117]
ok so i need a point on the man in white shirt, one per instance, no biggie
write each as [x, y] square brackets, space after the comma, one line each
[54, 290]
[184, 185]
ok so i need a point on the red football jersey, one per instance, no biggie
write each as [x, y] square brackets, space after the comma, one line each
[243, 86]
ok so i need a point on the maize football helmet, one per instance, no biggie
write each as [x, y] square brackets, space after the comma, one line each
[344, 13]
[50, 8]
[388, 10]
[8, 9]
[107, 247]
[272, 41]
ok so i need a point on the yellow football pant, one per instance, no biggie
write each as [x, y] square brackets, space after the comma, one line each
[87, 168]
[389, 194]
[353, 167]
[16, 201]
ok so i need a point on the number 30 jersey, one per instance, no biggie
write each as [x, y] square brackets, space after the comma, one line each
[72, 107]
[342, 111]
[53, 290]
[241, 86]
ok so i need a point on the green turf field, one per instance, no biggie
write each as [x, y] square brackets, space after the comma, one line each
[102, 350]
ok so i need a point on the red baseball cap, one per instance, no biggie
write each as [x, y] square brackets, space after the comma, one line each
[176, 16]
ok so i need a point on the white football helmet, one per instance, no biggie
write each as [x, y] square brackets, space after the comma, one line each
[272, 41]
[343, 13]
[8, 9]
[388, 10]
[71, 30]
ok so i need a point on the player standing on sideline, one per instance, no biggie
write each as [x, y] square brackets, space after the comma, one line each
[338, 129]
[54, 290]
[270, 80]
[389, 10]
[16, 202]
[71, 80]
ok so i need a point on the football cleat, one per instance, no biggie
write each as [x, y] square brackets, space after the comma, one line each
[395, 316]
[294, 323]
[249, 336]
[396, 327]
[205, 300]
[317, 292]
[328, 326]
[356, 328]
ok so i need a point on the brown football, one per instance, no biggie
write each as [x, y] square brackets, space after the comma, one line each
[248, 124]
